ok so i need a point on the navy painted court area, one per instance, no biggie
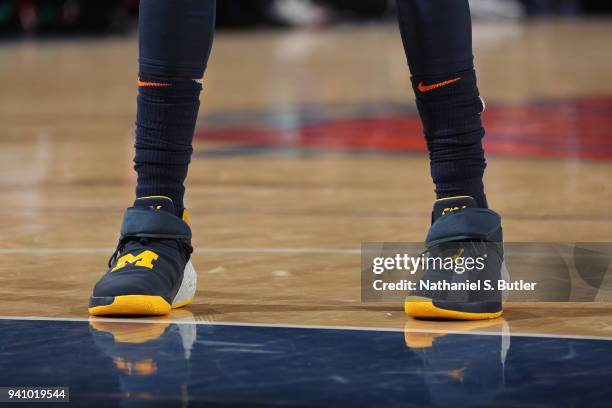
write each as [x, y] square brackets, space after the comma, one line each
[122, 363]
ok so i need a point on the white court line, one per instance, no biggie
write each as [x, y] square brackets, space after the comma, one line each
[264, 250]
[307, 326]
[11, 251]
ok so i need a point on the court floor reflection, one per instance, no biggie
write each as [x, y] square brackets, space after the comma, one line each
[112, 362]
[460, 368]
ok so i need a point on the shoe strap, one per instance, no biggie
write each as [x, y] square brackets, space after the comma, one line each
[466, 225]
[149, 223]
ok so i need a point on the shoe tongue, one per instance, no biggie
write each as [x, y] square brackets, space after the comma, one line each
[445, 206]
[156, 203]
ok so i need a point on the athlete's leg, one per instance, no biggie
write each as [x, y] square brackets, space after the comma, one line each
[150, 272]
[175, 42]
[437, 37]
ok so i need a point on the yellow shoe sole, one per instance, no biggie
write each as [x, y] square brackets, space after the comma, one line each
[423, 308]
[143, 305]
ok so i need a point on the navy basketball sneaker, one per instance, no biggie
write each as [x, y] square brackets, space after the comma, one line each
[150, 272]
[465, 262]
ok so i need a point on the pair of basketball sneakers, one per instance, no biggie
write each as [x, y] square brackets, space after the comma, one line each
[150, 272]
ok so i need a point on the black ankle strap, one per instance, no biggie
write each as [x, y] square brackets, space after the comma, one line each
[466, 225]
[149, 223]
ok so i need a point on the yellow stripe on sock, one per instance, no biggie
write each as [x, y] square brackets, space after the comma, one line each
[452, 198]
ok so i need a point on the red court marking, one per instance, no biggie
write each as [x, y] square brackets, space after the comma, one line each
[580, 128]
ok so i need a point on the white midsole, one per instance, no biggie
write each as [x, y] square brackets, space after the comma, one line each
[505, 275]
[188, 285]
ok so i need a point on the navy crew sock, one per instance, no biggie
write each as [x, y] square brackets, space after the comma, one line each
[175, 40]
[437, 38]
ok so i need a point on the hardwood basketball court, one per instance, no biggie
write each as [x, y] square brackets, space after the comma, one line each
[308, 144]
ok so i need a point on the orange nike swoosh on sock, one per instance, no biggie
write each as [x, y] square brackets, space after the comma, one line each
[424, 88]
[141, 83]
